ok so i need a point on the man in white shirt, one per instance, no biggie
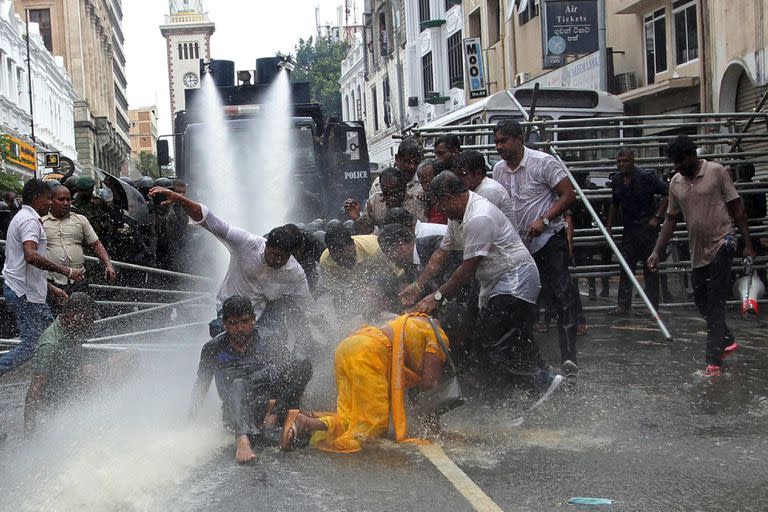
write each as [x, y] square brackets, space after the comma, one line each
[261, 269]
[541, 192]
[25, 273]
[471, 169]
[508, 278]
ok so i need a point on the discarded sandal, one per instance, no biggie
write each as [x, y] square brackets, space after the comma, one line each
[290, 430]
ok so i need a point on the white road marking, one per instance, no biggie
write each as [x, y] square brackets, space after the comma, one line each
[469, 489]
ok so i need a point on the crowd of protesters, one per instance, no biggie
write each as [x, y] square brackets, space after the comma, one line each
[479, 250]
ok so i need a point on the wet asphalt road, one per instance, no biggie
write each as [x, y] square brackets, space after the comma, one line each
[637, 428]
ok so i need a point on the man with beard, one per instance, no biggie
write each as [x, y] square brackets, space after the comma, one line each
[257, 381]
[702, 194]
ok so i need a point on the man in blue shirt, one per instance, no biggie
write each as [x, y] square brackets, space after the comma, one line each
[634, 196]
[257, 381]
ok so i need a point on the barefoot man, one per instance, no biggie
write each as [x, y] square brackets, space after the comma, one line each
[256, 381]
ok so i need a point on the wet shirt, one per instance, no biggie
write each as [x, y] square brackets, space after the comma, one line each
[531, 187]
[220, 361]
[495, 192]
[59, 357]
[636, 200]
[702, 201]
[21, 277]
[507, 268]
[66, 238]
[248, 273]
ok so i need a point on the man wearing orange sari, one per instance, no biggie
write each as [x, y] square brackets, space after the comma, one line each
[374, 368]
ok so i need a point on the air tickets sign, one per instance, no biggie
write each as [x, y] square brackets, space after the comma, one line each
[570, 28]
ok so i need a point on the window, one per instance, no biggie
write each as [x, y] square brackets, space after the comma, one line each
[387, 100]
[186, 51]
[530, 11]
[197, 51]
[383, 35]
[686, 31]
[375, 105]
[655, 45]
[455, 62]
[181, 54]
[475, 26]
[494, 22]
[426, 74]
[424, 14]
[43, 18]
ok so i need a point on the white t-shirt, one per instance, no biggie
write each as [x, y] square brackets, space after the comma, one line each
[532, 189]
[429, 229]
[507, 268]
[248, 273]
[20, 276]
[495, 192]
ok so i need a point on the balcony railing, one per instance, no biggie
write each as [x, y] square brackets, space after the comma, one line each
[187, 18]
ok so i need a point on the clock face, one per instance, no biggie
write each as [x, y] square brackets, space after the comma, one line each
[190, 80]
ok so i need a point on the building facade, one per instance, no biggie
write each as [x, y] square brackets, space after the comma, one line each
[143, 130]
[88, 35]
[53, 98]
[187, 31]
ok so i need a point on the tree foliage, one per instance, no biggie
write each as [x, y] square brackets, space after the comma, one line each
[319, 63]
[10, 182]
[147, 164]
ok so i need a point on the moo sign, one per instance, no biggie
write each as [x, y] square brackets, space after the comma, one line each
[474, 67]
[570, 28]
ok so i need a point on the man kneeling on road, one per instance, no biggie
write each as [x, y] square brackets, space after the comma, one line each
[257, 381]
[62, 368]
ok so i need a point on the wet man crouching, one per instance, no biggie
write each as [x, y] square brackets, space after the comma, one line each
[257, 381]
[62, 368]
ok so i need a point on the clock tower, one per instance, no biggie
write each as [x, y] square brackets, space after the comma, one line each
[187, 31]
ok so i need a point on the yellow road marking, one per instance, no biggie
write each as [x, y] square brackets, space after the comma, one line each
[469, 489]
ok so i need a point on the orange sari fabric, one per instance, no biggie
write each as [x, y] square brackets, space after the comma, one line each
[373, 373]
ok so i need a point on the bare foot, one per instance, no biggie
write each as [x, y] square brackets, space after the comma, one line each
[244, 452]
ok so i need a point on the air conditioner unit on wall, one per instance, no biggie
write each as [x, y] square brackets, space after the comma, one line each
[626, 81]
[521, 78]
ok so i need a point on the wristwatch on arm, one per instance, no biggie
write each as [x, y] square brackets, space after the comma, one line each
[545, 221]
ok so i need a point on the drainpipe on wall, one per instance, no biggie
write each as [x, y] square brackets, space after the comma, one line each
[705, 94]
[400, 82]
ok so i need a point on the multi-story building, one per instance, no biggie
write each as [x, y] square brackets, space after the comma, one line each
[187, 31]
[143, 130]
[88, 35]
[52, 98]
[404, 67]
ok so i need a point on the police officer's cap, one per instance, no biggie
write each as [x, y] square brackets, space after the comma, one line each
[163, 182]
[85, 183]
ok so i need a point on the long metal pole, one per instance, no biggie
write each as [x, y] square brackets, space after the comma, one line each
[148, 331]
[134, 314]
[29, 90]
[630, 272]
[602, 45]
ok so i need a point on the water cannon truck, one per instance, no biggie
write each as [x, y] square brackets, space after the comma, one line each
[331, 156]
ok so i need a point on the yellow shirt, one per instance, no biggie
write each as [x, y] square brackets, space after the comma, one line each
[66, 238]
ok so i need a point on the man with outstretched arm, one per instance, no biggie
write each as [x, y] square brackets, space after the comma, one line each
[261, 269]
[702, 194]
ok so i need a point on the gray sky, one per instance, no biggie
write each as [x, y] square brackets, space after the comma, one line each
[245, 30]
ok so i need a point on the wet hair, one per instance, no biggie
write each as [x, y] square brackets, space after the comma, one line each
[281, 239]
[429, 162]
[409, 149]
[625, 152]
[296, 233]
[237, 305]
[337, 238]
[80, 302]
[471, 161]
[441, 166]
[178, 183]
[400, 216]
[445, 184]
[33, 189]
[681, 147]
[450, 141]
[392, 173]
[392, 235]
[59, 186]
[509, 127]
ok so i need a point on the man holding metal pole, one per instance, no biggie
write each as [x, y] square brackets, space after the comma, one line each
[634, 195]
[541, 192]
[703, 194]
